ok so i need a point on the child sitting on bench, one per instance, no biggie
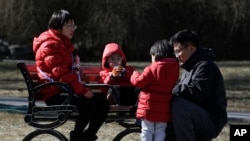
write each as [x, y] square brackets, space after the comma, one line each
[116, 72]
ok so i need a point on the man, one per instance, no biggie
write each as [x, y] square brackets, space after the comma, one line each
[199, 103]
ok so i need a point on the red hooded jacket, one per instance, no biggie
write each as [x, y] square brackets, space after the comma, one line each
[53, 55]
[105, 74]
[156, 83]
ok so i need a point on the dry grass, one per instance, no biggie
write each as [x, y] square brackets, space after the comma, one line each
[13, 128]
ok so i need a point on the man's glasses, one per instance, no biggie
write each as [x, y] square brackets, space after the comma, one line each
[178, 51]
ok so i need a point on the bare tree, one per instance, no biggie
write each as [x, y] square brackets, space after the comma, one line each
[135, 24]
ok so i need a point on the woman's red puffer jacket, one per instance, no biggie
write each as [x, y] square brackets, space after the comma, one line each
[53, 55]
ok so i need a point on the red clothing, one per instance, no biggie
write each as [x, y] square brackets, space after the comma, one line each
[53, 55]
[156, 83]
[105, 74]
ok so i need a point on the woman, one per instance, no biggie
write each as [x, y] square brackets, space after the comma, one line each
[54, 60]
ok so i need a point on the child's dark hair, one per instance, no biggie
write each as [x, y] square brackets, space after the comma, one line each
[58, 18]
[162, 49]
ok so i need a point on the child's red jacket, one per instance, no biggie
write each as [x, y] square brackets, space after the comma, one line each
[156, 83]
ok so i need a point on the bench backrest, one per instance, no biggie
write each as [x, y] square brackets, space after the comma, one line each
[89, 74]
[30, 76]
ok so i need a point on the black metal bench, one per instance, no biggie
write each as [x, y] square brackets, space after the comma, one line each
[47, 118]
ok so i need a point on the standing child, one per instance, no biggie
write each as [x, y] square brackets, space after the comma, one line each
[116, 72]
[156, 83]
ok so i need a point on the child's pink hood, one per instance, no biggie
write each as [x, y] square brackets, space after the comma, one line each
[110, 49]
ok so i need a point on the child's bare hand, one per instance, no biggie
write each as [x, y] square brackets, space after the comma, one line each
[135, 72]
[118, 71]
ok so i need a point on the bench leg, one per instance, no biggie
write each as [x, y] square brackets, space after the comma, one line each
[52, 132]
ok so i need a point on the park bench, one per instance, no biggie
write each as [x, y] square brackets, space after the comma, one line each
[47, 118]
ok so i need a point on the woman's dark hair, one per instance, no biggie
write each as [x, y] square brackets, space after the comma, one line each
[184, 37]
[58, 18]
[161, 49]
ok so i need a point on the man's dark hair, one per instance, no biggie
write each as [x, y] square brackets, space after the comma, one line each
[58, 18]
[185, 36]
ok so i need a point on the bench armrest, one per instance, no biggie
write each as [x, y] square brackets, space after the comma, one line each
[65, 88]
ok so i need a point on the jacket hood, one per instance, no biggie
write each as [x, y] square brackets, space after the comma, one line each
[202, 54]
[53, 36]
[110, 49]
